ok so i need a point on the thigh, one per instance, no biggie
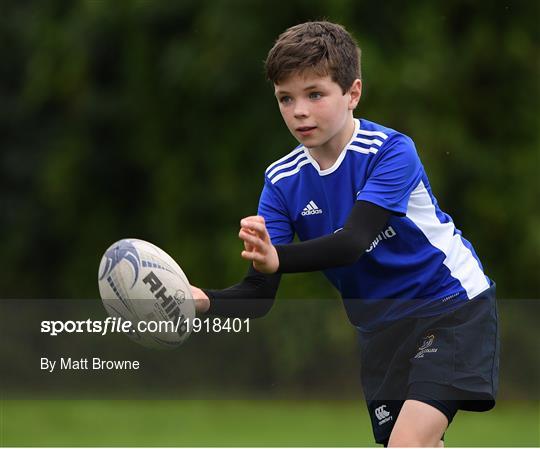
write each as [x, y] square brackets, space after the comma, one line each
[419, 425]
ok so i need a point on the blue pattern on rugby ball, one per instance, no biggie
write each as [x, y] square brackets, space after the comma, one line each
[123, 251]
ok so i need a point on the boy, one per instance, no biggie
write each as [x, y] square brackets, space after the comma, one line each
[358, 197]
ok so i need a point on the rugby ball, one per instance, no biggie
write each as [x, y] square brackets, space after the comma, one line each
[141, 283]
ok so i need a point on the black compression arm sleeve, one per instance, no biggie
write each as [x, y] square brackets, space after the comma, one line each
[344, 247]
[253, 297]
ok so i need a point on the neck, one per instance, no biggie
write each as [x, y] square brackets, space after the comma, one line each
[327, 155]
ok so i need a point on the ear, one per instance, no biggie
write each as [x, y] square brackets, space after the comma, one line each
[355, 93]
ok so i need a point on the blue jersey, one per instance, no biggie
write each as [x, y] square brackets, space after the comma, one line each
[419, 265]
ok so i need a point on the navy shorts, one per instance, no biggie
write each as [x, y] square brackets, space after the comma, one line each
[450, 361]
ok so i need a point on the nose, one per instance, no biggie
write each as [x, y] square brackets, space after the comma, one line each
[300, 109]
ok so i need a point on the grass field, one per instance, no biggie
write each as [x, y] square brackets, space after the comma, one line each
[237, 423]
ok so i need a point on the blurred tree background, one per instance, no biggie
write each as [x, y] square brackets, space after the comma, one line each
[152, 119]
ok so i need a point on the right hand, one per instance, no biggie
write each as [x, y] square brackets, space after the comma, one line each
[258, 247]
[202, 302]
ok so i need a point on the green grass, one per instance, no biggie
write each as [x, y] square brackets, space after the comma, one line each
[237, 423]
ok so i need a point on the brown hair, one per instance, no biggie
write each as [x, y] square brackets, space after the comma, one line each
[323, 47]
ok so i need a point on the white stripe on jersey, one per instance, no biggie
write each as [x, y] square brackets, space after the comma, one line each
[368, 141]
[287, 165]
[372, 133]
[459, 260]
[290, 173]
[374, 144]
[296, 157]
[291, 154]
[363, 150]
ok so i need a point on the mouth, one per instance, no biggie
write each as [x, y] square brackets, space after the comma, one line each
[305, 130]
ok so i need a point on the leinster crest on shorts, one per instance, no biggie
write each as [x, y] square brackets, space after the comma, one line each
[426, 346]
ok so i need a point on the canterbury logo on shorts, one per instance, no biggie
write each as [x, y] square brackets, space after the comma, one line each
[383, 415]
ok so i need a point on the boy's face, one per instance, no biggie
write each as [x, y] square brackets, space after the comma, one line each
[316, 111]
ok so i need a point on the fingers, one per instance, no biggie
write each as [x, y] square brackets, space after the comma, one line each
[252, 242]
[255, 225]
[254, 218]
[256, 239]
[253, 256]
[258, 246]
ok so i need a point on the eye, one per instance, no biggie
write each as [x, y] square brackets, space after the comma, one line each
[285, 99]
[315, 95]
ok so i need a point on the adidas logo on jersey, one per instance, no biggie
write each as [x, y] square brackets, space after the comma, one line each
[311, 209]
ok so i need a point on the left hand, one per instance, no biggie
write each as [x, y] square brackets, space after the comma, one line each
[257, 244]
[201, 300]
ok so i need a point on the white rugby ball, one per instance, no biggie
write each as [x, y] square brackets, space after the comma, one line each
[140, 282]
